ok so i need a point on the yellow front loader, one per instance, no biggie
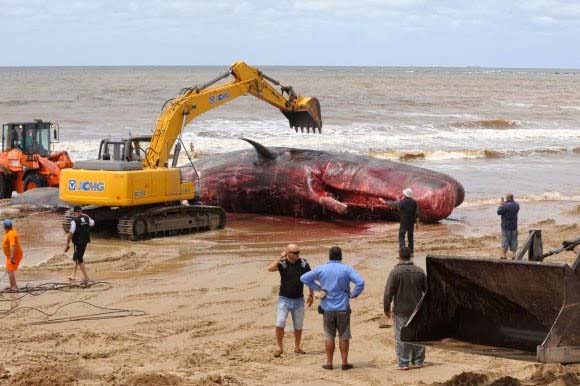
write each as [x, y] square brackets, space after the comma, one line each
[132, 183]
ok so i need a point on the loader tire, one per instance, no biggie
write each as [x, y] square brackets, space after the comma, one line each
[5, 187]
[34, 180]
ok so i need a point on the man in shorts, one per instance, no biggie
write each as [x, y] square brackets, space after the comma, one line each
[291, 296]
[12, 251]
[508, 210]
[334, 278]
[80, 236]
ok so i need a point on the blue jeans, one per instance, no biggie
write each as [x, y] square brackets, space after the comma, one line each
[407, 353]
[292, 306]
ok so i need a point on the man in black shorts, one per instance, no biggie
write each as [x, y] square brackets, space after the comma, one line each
[79, 234]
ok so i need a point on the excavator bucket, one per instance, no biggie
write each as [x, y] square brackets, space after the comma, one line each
[525, 307]
[306, 116]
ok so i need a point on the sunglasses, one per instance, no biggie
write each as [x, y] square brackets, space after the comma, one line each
[296, 252]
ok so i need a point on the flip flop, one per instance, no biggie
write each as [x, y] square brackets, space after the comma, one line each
[300, 351]
[347, 366]
[327, 367]
[277, 353]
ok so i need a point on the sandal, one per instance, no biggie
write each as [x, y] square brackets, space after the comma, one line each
[347, 366]
[299, 351]
[327, 367]
[278, 353]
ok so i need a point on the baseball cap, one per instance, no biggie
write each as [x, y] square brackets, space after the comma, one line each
[7, 223]
[77, 208]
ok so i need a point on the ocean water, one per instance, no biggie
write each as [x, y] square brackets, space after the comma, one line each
[494, 130]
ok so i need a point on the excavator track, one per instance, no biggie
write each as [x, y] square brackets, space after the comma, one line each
[133, 224]
[170, 221]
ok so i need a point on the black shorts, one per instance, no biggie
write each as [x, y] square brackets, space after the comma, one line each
[79, 253]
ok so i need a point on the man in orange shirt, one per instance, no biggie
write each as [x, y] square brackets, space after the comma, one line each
[12, 251]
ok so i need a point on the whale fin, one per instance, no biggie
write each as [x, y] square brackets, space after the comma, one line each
[264, 154]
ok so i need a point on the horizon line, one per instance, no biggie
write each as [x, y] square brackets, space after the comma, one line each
[293, 65]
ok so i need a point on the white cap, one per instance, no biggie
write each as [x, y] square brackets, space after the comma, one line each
[408, 192]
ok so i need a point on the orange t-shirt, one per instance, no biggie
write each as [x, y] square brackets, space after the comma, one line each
[11, 239]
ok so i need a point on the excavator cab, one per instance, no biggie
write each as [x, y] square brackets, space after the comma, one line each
[126, 149]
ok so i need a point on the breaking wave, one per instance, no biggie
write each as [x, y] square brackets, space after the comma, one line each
[548, 196]
[411, 155]
[18, 102]
[499, 123]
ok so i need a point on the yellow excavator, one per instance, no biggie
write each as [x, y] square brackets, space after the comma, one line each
[132, 183]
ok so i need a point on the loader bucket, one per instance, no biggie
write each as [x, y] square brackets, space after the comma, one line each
[306, 115]
[519, 305]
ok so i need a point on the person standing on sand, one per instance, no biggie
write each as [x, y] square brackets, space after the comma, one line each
[334, 278]
[12, 251]
[291, 296]
[409, 217]
[80, 236]
[508, 210]
[405, 287]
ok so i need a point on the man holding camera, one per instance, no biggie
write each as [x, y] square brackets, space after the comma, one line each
[291, 296]
[508, 210]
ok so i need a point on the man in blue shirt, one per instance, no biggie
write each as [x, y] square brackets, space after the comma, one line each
[508, 210]
[334, 278]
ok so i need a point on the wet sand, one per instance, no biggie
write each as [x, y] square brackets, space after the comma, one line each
[210, 304]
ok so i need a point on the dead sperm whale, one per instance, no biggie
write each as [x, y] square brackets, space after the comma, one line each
[319, 184]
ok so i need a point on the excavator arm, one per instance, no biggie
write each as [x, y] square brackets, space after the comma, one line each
[302, 112]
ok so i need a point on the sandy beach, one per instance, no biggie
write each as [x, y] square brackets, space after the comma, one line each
[199, 309]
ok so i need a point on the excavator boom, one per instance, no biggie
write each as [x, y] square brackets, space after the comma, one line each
[302, 112]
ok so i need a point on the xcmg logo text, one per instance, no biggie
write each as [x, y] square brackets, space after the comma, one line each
[86, 186]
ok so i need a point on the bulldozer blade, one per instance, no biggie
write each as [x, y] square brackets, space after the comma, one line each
[306, 115]
[520, 305]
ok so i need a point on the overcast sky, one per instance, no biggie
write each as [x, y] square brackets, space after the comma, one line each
[489, 33]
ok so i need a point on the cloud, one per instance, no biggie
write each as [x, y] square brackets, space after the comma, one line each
[353, 6]
[545, 20]
[332, 32]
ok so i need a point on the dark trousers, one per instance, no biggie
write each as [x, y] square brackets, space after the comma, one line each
[409, 232]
